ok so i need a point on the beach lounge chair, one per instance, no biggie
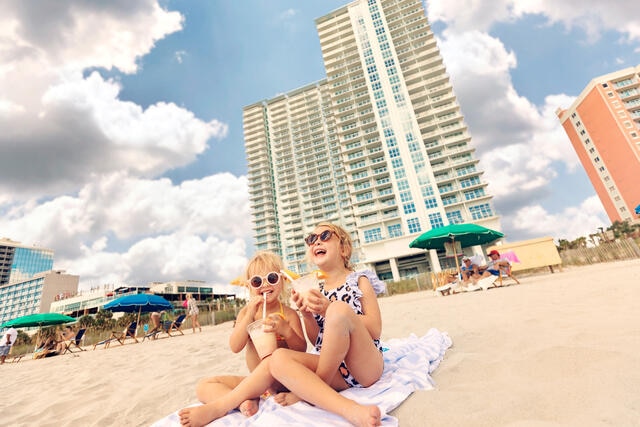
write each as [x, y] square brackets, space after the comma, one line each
[14, 358]
[506, 274]
[120, 336]
[75, 342]
[176, 325]
[165, 326]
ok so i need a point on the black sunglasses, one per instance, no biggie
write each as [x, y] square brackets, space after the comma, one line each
[313, 237]
[272, 279]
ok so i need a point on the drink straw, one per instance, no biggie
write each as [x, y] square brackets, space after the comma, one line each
[264, 306]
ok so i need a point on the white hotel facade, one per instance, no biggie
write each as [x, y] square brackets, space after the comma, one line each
[379, 146]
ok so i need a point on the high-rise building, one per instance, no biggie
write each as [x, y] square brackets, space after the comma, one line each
[27, 282]
[379, 146]
[603, 125]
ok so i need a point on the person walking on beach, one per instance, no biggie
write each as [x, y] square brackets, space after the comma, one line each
[193, 311]
[8, 339]
[264, 280]
[343, 319]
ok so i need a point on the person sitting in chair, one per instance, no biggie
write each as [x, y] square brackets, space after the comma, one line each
[470, 271]
[494, 265]
[156, 322]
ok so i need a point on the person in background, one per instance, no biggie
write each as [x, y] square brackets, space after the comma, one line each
[470, 271]
[494, 265]
[193, 311]
[64, 339]
[8, 339]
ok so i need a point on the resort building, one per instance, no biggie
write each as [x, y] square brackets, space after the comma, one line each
[90, 302]
[603, 125]
[28, 284]
[379, 146]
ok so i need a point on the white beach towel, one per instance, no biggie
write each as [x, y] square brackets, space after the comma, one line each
[408, 363]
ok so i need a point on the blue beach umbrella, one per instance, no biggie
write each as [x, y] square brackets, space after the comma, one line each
[138, 303]
[638, 210]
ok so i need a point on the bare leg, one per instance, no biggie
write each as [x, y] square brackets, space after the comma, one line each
[346, 338]
[251, 387]
[210, 389]
[295, 371]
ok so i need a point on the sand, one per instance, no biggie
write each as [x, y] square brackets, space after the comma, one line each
[560, 349]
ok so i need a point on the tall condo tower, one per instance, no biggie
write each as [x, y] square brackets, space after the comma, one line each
[603, 125]
[378, 146]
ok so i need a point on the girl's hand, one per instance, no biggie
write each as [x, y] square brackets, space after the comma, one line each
[254, 303]
[316, 302]
[275, 323]
[297, 299]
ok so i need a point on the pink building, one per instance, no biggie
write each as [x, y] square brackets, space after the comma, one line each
[603, 125]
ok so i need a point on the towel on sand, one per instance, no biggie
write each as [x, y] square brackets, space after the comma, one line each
[408, 363]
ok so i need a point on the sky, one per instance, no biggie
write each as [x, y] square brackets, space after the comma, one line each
[121, 143]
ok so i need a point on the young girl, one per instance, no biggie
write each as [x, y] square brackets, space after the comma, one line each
[264, 280]
[344, 321]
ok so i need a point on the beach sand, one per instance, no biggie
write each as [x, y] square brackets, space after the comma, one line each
[560, 349]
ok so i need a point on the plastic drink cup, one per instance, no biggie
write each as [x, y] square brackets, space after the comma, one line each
[264, 342]
[305, 284]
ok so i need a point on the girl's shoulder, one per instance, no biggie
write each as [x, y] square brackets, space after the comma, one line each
[378, 285]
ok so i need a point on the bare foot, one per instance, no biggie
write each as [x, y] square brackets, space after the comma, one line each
[249, 407]
[364, 416]
[286, 398]
[198, 416]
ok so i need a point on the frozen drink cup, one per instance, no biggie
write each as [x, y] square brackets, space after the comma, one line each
[264, 342]
[305, 284]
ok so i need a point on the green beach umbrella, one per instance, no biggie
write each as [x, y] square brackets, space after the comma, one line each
[39, 319]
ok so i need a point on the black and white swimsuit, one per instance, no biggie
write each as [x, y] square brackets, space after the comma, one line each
[349, 293]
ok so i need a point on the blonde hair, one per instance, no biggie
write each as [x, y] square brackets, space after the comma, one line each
[345, 242]
[265, 261]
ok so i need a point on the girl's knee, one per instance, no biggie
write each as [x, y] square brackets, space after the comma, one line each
[338, 312]
[278, 359]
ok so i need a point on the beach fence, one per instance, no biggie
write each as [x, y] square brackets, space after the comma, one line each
[605, 252]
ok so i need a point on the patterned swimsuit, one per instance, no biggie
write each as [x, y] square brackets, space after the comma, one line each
[349, 293]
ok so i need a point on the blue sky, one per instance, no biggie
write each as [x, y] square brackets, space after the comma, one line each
[123, 150]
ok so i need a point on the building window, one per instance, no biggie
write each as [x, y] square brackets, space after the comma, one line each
[455, 217]
[372, 235]
[409, 208]
[414, 225]
[430, 203]
[469, 182]
[394, 230]
[436, 220]
[480, 211]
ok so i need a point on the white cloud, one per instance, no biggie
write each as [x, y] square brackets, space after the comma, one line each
[521, 146]
[574, 221]
[193, 230]
[78, 34]
[79, 165]
[592, 16]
